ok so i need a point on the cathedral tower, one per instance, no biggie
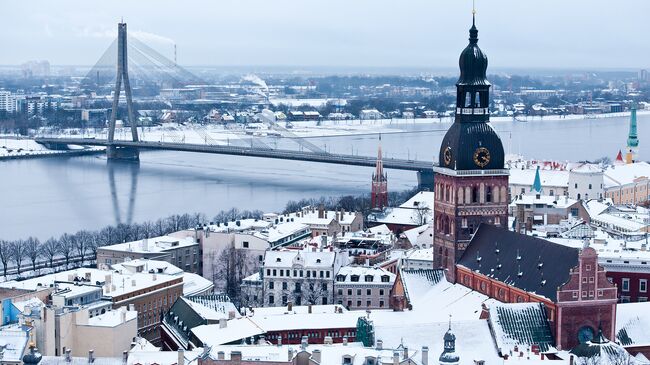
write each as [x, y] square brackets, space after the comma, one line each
[632, 139]
[471, 184]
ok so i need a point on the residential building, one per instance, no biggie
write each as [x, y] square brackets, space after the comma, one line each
[415, 212]
[180, 252]
[362, 287]
[8, 102]
[541, 210]
[323, 222]
[418, 259]
[300, 276]
[628, 183]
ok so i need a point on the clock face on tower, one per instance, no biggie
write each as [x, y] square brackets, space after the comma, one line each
[585, 334]
[481, 157]
[446, 155]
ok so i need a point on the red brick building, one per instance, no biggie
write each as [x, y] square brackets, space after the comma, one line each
[515, 268]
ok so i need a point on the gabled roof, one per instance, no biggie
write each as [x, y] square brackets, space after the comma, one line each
[528, 263]
[521, 325]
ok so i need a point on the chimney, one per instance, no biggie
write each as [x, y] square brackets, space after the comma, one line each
[123, 314]
[289, 306]
[571, 360]
[406, 353]
[316, 356]
[125, 357]
[309, 308]
[303, 343]
[133, 282]
[279, 340]
[345, 340]
[154, 277]
[108, 278]
[235, 356]
[87, 276]
[231, 315]
[395, 358]
[425, 355]
[321, 211]
[223, 323]
[380, 345]
[91, 358]
[290, 351]
[68, 358]
[131, 307]
[328, 340]
[221, 355]
[181, 357]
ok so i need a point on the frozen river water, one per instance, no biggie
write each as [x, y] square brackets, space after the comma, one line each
[44, 197]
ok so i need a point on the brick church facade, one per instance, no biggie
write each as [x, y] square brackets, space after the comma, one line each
[472, 243]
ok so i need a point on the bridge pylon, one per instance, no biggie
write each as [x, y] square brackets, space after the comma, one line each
[114, 152]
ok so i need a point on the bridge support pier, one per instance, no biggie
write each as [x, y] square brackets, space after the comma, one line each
[425, 180]
[122, 153]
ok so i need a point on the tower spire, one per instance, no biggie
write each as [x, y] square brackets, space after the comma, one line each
[632, 138]
[379, 194]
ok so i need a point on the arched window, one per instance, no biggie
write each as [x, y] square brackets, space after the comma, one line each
[504, 194]
[488, 194]
[477, 101]
[468, 99]
[482, 193]
[468, 195]
[496, 194]
[474, 194]
[460, 196]
[447, 194]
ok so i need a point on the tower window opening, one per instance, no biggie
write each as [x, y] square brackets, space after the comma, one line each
[488, 194]
[477, 101]
[468, 99]
[474, 194]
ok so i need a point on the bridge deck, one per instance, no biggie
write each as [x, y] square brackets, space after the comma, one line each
[390, 163]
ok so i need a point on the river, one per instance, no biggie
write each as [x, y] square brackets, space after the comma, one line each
[50, 196]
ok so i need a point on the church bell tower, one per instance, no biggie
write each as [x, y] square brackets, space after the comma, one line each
[470, 181]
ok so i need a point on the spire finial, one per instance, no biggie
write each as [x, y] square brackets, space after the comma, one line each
[450, 322]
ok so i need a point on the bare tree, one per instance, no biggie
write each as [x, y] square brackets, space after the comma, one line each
[421, 214]
[82, 242]
[33, 250]
[66, 247]
[232, 268]
[17, 252]
[313, 291]
[5, 255]
[50, 249]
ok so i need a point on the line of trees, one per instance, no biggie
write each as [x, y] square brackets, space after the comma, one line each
[31, 253]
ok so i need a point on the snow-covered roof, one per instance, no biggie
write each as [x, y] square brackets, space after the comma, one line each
[295, 309]
[424, 254]
[311, 216]
[112, 318]
[13, 340]
[366, 275]
[308, 259]
[210, 309]
[550, 201]
[521, 325]
[626, 174]
[632, 323]
[152, 245]
[413, 233]
[549, 178]
[235, 330]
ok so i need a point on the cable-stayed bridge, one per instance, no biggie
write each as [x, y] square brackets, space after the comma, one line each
[150, 66]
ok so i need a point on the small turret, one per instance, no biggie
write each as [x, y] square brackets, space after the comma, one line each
[449, 355]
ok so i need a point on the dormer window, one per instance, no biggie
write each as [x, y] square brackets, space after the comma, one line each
[369, 278]
[340, 277]
[354, 278]
[318, 261]
[278, 259]
[385, 278]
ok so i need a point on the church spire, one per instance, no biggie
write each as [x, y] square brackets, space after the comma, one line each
[537, 183]
[379, 194]
[632, 138]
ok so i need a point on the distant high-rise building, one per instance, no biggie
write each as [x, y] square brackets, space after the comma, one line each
[379, 195]
[643, 75]
[7, 102]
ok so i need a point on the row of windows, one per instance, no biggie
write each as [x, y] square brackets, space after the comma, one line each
[359, 302]
[297, 300]
[474, 194]
[298, 273]
[643, 285]
[366, 278]
[297, 286]
[360, 291]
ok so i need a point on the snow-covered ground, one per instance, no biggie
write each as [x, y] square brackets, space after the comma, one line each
[11, 148]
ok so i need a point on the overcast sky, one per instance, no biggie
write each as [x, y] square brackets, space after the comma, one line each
[381, 33]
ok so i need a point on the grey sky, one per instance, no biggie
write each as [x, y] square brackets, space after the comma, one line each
[384, 33]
